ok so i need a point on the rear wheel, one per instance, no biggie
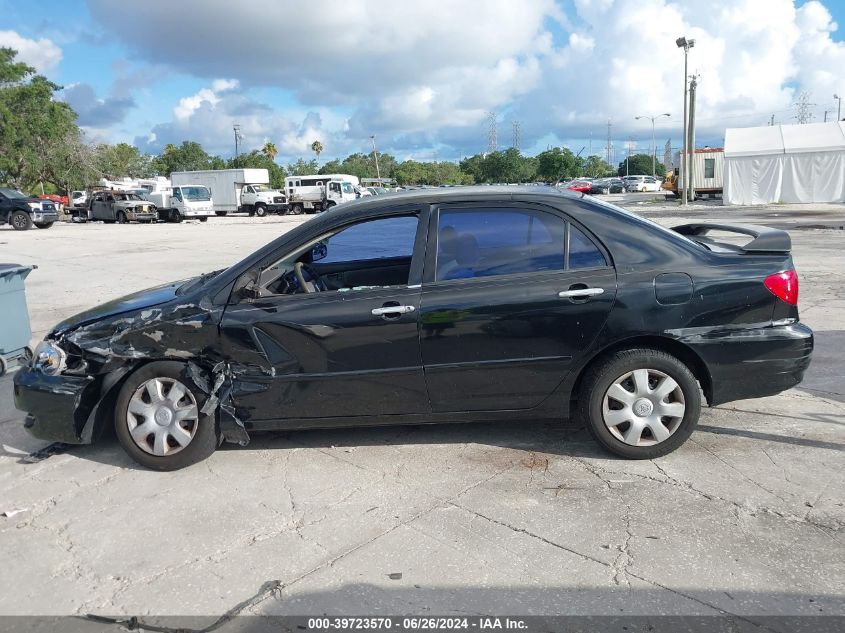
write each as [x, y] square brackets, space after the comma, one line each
[43, 225]
[204, 219]
[640, 403]
[158, 420]
[296, 209]
[21, 221]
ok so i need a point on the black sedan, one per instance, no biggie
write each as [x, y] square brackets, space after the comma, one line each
[493, 303]
[607, 185]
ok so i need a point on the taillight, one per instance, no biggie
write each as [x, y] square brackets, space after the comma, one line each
[784, 285]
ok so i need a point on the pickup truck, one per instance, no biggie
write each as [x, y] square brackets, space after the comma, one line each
[22, 212]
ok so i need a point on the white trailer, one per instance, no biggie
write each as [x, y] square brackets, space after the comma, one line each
[708, 165]
[318, 192]
[236, 190]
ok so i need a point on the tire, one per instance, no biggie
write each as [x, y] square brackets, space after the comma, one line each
[596, 403]
[121, 217]
[175, 216]
[296, 209]
[260, 210]
[21, 221]
[43, 225]
[161, 450]
[203, 219]
[222, 214]
[605, 191]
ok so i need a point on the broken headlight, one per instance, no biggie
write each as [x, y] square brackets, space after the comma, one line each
[49, 358]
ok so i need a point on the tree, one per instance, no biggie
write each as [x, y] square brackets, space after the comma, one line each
[269, 150]
[558, 164]
[640, 164]
[317, 148]
[596, 167]
[31, 119]
[122, 160]
[302, 167]
[189, 156]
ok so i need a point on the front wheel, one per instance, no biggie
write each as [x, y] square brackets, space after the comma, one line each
[121, 217]
[222, 214]
[175, 216]
[640, 403]
[204, 219]
[158, 418]
[260, 210]
[43, 225]
[21, 221]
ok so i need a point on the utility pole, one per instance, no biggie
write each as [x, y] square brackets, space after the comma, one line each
[492, 143]
[692, 89]
[825, 115]
[838, 107]
[609, 148]
[237, 128]
[375, 155]
[516, 129]
[686, 44]
[772, 121]
[653, 141]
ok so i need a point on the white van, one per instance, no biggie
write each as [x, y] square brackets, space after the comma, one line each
[318, 192]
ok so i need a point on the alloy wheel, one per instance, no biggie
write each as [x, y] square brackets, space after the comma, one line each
[162, 416]
[643, 407]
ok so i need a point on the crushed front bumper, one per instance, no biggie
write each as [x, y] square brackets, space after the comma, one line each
[58, 407]
[754, 362]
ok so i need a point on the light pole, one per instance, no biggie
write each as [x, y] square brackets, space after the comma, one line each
[653, 140]
[375, 155]
[237, 128]
[838, 108]
[686, 44]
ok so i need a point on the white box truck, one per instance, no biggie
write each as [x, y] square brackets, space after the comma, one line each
[235, 190]
[318, 192]
[183, 202]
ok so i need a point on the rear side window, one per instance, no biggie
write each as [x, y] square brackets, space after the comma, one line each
[487, 242]
[583, 253]
[375, 239]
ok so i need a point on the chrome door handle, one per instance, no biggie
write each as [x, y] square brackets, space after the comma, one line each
[392, 310]
[581, 292]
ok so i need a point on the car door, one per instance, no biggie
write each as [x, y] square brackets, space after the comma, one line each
[97, 212]
[349, 350]
[512, 294]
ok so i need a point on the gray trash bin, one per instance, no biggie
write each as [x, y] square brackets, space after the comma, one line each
[14, 317]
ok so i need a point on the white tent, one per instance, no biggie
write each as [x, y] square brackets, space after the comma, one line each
[785, 163]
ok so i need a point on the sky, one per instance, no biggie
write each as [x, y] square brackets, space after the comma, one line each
[424, 76]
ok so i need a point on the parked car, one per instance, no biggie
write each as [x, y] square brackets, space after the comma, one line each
[121, 207]
[22, 211]
[607, 185]
[581, 186]
[642, 183]
[441, 305]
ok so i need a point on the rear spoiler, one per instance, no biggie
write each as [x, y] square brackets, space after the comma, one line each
[766, 239]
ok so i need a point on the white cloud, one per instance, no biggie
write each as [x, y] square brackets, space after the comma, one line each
[42, 54]
[422, 75]
[188, 105]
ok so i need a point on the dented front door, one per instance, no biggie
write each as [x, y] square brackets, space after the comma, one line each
[326, 355]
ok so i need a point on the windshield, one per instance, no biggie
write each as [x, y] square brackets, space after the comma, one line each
[196, 193]
[262, 188]
[347, 187]
[12, 193]
[128, 196]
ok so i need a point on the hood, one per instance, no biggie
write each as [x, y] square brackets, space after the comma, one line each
[130, 303]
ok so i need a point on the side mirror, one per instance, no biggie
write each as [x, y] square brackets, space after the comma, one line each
[319, 251]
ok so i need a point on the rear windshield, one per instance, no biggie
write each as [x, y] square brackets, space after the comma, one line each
[646, 221]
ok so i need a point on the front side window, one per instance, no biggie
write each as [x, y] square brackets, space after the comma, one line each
[498, 241]
[374, 239]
